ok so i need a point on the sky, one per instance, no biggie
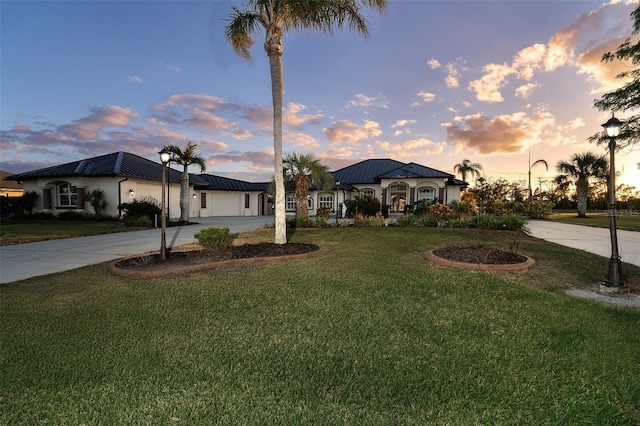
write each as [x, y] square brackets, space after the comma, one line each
[501, 83]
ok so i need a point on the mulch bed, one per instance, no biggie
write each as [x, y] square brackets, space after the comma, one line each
[178, 259]
[479, 255]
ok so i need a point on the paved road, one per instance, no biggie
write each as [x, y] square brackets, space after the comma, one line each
[23, 261]
[588, 238]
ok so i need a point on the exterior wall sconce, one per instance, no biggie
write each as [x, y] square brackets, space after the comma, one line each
[132, 193]
[194, 195]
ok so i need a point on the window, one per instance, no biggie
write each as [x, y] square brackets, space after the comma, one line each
[426, 193]
[368, 192]
[246, 201]
[290, 202]
[310, 203]
[67, 195]
[325, 200]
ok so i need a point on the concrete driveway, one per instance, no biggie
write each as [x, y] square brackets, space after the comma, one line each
[21, 261]
[588, 238]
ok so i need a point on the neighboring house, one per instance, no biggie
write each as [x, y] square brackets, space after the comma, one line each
[392, 182]
[125, 177]
[9, 188]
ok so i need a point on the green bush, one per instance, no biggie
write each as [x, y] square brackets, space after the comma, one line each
[540, 209]
[299, 222]
[406, 220]
[484, 221]
[138, 222]
[321, 221]
[376, 221]
[214, 239]
[72, 215]
[365, 206]
[512, 222]
[428, 222]
[323, 213]
[98, 201]
[147, 207]
[460, 223]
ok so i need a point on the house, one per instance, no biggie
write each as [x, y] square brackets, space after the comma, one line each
[125, 177]
[9, 188]
[392, 182]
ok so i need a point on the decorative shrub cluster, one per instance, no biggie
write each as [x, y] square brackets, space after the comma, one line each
[141, 212]
[365, 206]
[214, 239]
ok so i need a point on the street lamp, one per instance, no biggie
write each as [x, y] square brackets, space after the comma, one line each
[613, 283]
[337, 196]
[164, 158]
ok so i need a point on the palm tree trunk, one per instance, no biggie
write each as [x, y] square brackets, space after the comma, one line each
[273, 46]
[582, 187]
[184, 196]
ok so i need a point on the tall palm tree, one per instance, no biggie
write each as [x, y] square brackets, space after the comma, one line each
[546, 166]
[578, 171]
[466, 167]
[274, 18]
[304, 170]
[186, 157]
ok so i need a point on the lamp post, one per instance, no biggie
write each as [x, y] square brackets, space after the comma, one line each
[613, 283]
[164, 158]
[337, 196]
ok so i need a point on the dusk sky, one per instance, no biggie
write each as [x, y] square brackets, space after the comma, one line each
[435, 83]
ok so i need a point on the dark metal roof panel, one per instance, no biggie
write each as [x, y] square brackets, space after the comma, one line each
[219, 183]
[415, 170]
[365, 171]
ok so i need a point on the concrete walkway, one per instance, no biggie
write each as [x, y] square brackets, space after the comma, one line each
[21, 261]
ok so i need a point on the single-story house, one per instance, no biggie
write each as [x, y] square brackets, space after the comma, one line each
[124, 177]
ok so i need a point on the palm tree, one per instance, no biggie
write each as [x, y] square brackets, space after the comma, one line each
[546, 166]
[303, 171]
[578, 171]
[185, 157]
[275, 17]
[466, 167]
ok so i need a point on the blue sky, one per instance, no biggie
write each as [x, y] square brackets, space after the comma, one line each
[435, 83]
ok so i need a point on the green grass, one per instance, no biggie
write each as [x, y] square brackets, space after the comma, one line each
[598, 219]
[365, 331]
[27, 231]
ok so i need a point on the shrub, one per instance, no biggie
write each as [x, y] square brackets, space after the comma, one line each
[484, 221]
[406, 220]
[365, 206]
[512, 222]
[460, 223]
[138, 222]
[214, 239]
[72, 215]
[323, 212]
[376, 221]
[422, 207]
[320, 221]
[540, 209]
[97, 200]
[428, 221]
[147, 207]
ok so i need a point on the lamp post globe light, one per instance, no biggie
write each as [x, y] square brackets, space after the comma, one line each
[614, 282]
[164, 158]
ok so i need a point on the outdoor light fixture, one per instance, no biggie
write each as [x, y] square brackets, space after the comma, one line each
[614, 282]
[164, 158]
[194, 196]
[132, 193]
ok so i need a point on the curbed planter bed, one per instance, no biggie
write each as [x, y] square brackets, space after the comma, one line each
[479, 258]
[193, 259]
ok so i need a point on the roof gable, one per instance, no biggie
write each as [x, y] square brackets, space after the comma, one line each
[372, 171]
[414, 170]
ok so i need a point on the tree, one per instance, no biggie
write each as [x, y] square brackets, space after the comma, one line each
[546, 166]
[186, 158]
[579, 170]
[98, 201]
[304, 170]
[627, 97]
[275, 18]
[466, 167]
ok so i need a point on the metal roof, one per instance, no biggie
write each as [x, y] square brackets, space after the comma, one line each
[372, 171]
[219, 183]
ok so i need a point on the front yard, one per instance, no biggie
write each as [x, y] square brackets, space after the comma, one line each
[365, 331]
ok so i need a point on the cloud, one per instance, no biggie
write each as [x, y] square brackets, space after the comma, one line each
[136, 79]
[350, 132]
[525, 90]
[173, 68]
[502, 134]
[453, 76]
[292, 117]
[302, 140]
[402, 123]
[411, 149]
[433, 64]
[426, 96]
[89, 127]
[363, 101]
[487, 88]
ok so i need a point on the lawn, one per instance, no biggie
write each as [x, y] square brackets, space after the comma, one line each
[28, 231]
[365, 331]
[597, 219]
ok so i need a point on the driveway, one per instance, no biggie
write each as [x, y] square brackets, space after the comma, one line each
[588, 238]
[21, 261]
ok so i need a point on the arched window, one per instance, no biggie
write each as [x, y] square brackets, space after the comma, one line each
[397, 197]
[66, 195]
[426, 193]
[368, 192]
